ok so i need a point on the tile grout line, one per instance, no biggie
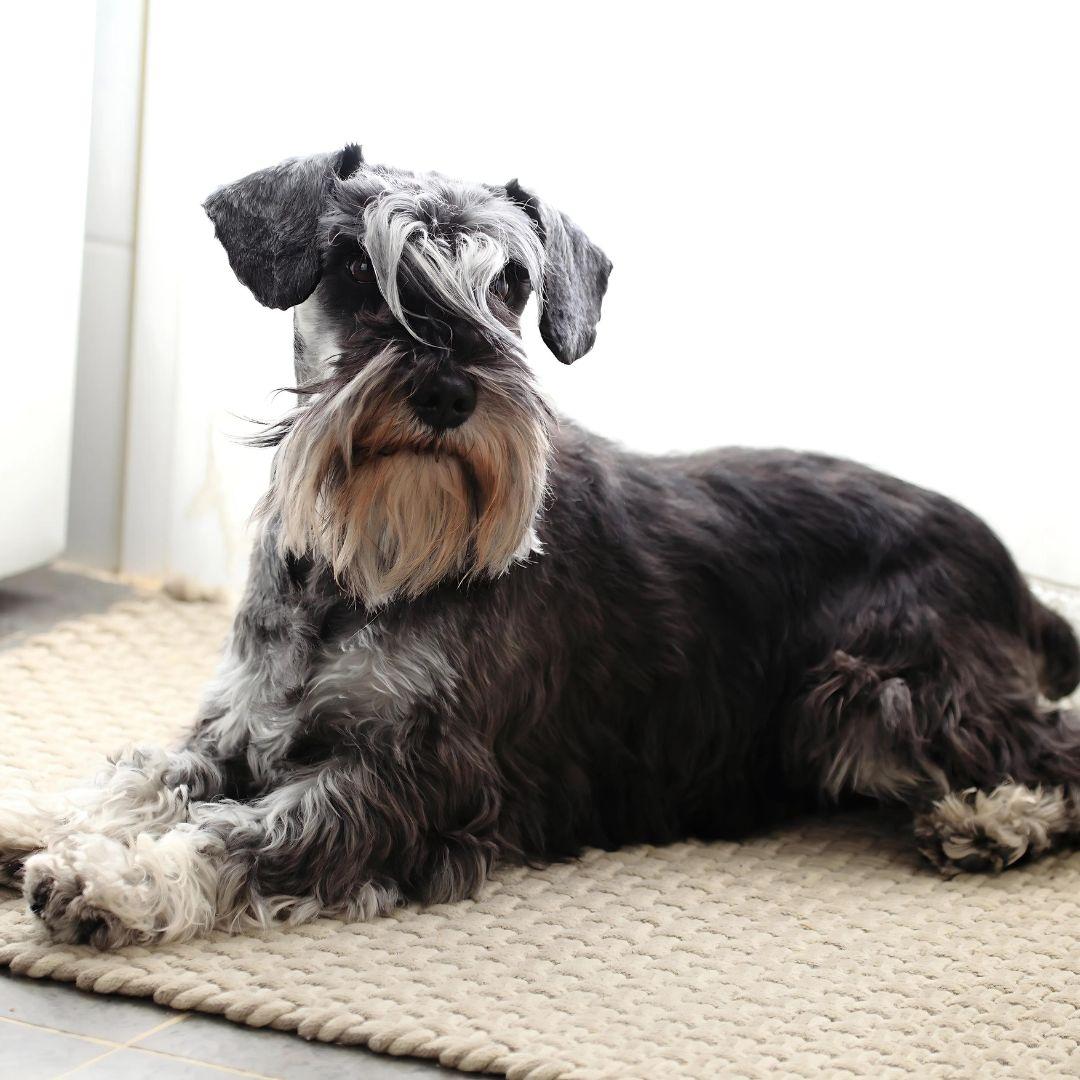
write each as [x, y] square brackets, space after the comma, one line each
[97, 1038]
[114, 1047]
[60, 1031]
[171, 1022]
[133, 1044]
[89, 1061]
[212, 1065]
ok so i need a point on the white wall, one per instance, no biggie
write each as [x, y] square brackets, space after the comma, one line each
[46, 63]
[101, 390]
[843, 226]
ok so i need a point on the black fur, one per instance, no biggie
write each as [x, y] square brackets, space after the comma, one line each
[576, 275]
[267, 224]
[703, 638]
[709, 643]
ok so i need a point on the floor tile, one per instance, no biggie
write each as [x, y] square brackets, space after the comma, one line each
[29, 1053]
[281, 1054]
[62, 1006]
[135, 1065]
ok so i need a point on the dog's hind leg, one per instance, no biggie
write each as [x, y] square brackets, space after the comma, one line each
[1057, 652]
[1037, 747]
[979, 829]
[952, 725]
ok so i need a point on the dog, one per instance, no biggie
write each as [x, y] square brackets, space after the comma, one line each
[474, 633]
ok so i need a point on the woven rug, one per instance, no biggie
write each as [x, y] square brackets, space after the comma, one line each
[825, 948]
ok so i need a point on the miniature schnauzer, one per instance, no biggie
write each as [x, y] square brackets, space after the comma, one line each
[475, 634]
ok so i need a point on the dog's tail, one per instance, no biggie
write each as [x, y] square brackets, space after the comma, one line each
[1058, 649]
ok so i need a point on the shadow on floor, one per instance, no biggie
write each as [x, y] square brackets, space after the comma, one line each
[38, 599]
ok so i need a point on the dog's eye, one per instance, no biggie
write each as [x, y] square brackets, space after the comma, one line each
[361, 271]
[501, 286]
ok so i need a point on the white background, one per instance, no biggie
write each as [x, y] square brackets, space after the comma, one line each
[848, 227]
[46, 68]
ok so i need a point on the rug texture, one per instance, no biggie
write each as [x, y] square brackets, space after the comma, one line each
[823, 949]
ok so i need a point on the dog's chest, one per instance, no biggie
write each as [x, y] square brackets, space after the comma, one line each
[377, 674]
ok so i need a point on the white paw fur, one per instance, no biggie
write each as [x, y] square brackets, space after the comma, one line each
[980, 830]
[91, 889]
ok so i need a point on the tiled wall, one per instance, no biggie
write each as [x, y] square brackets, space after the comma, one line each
[101, 388]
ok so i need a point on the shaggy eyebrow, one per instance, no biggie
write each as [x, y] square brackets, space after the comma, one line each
[452, 270]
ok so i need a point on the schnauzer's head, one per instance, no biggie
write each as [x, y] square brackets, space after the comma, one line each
[420, 447]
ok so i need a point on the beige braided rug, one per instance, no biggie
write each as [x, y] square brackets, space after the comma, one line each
[825, 948]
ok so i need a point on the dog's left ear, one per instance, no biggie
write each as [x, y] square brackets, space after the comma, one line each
[575, 278]
[268, 224]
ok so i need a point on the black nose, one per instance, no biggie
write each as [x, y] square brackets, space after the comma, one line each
[444, 399]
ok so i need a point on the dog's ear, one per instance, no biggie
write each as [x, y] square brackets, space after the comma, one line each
[268, 224]
[575, 278]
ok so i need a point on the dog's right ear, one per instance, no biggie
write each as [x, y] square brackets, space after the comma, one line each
[268, 224]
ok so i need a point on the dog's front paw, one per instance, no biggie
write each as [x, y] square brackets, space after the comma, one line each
[24, 825]
[11, 868]
[87, 890]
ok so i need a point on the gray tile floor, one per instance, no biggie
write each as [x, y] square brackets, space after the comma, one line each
[50, 1029]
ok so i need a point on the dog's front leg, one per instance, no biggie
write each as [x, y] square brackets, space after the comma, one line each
[144, 790]
[205, 872]
[147, 791]
[350, 839]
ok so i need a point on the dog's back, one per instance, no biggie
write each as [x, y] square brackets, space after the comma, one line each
[714, 633]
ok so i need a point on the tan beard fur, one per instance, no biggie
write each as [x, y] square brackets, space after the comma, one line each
[394, 511]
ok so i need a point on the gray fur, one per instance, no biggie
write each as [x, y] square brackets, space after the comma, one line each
[407, 231]
[576, 275]
[267, 223]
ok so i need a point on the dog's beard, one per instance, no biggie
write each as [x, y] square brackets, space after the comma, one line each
[394, 509]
